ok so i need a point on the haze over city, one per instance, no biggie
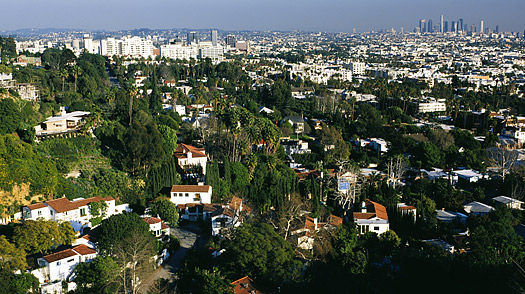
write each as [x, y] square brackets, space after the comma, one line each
[309, 15]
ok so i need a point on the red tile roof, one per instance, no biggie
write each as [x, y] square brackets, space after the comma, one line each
[152, 220]
[182, 149]
[373, 209]
[245, 286]
[60, 255]
[63, 204]
[190, 188]
[84, 250]
[36, 206]
[164, 226]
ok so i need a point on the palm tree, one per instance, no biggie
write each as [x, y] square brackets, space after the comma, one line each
[63, 75]
[132, 93]
[76, 71]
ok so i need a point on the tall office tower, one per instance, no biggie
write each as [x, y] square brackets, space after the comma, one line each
[473, 28]
[481, 28]
[460, 24]
[214, 38]
[430, 29]
[402, 30]
[454, 27]
[192, 38]
[446, 27]
[231, 40]
[497, 29]
[441, 24]
[422, 25]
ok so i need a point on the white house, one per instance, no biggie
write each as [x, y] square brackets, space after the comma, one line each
[371, 218]
[188, 156]
[184, 194]
[469, 175]
[228, 216]
[407, 210]
[63, 123]
[509, 202]
[449, 216]
[60, 265]
[478, 208]
[304, 237]
[76, 211]
[157, 226]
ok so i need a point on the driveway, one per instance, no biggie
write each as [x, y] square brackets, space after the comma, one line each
[189, 236]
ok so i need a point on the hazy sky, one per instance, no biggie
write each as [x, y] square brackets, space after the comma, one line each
[309, 15]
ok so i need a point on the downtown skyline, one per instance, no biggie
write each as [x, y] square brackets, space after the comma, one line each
[330, 16]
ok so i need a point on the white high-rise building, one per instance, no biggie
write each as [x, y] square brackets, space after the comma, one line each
[88, 43]
[357, 68]
[215, 53]
[481, 27]
[178, 51]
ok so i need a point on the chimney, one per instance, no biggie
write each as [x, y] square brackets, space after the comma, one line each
[315, 223]
[363, 207]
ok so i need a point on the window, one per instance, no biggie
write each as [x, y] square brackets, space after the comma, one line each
[181, 194]
[51, 212]
[82, 211]
[187, 194]
[71, 260]
[376, 228]
[39, 213]
[58, 262]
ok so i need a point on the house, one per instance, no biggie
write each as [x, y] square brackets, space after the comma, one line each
[371, 218]
[297, 123]
[478, 208]
[265, 110]
[189, 156]
[449, 216]
[229, 216]
[295, 147]
[157, 226]
[197, 211]
[63, 123]
[509, 202]
[245, 286]
[468, 175]
[407, 210]
[60, 265]
[78, 212]
[184, 194]
[304, 237]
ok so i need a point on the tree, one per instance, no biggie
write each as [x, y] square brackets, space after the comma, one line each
[11, 257]
[64, 74]
[396, 167]
[127, 239]
[203, 281]
[259, 252]
[166, 210]
[347, 251]
[97, 276]
[42, 235]
[285, 219]
[10, 116]
[76, 71]
[503, 159]
[23, 283]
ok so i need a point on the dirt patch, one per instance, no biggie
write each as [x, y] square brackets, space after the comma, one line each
[20, 195]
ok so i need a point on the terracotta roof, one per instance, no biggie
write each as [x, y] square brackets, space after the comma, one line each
[245, 286]
[63, 204]
[84, 250]
[60, 255]
[182, 149]
[164, 226]
[408, 207]
[190, 188]
[335, 220]
[309, 223]
[374, 209]
[36, 206]
[152, 220]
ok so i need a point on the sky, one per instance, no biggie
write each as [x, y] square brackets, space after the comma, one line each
[305, 15]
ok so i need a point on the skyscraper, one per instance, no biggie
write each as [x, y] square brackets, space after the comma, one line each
[192, 38]
[430, 28]
[497, 29]
[214, 38]
[446, 27]
[460, 24]
[481, 28]
[422, 25]
[453, 27]
[231, 40]
[441, 24]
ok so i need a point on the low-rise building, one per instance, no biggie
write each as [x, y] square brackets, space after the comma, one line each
[509, 202]
[372, 217]
[157, 226]
[184, 194]
[63, 123]
[478, 208]
[189, 156]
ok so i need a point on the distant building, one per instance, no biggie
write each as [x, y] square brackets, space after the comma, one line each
[231, 40]
[189, 156]
[430, 104]
[63, 123]
[214, 37]
[509, 202]
[478, 208]
[192, 38]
